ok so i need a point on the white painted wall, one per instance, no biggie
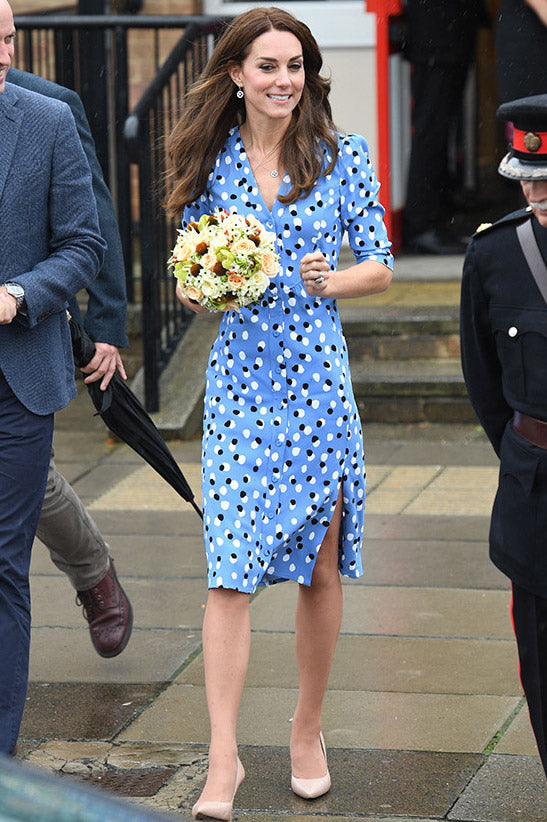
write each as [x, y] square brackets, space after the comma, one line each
[353, 94]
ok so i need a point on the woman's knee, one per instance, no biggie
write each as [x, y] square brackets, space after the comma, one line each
[228, 599]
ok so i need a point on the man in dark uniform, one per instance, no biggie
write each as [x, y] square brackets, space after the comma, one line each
[440, 45]
[504, 356]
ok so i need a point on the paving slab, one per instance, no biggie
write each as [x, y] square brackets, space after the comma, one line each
[519, 737]
[505, 789]
[157, 603]
[174, 556]
[425, 612]
[429, 562]
[468, 454]
[142, 489]
[364, 782]
[387, 663]
[82, 711]
[465, 528]
[149, 523]
[351, 719]
[101, 480]
[249, 816]
[152, 655]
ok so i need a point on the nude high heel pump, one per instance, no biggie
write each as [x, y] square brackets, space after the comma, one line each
[312, 788]
[219, 810]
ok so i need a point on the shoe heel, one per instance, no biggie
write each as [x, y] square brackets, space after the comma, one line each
[219, 810]
[312, 788]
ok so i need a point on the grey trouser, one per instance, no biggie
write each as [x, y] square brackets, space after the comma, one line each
[74, 541]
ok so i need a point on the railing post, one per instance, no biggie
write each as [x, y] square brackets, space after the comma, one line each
[93, 85]
[64, 58]
[150, 341]
[122, 162]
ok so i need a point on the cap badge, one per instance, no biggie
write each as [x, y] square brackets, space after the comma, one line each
[532, 141]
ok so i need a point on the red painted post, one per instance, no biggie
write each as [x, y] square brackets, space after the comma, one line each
[383, 10]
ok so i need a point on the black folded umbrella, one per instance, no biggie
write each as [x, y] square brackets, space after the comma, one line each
[125, 416]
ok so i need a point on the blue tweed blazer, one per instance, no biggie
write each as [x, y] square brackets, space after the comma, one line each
[49, 242]
[105, 317]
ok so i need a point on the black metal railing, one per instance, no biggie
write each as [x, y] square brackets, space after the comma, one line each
[164, 319]
[92, 54]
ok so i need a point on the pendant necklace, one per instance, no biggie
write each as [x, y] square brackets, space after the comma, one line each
[274, 172]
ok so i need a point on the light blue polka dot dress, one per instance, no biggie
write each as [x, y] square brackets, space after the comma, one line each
[281, 428]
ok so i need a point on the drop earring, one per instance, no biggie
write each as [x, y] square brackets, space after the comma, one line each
[240, 94]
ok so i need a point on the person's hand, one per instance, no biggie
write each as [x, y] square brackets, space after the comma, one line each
[104, 364]
[315, 271]
[8, 306]
[188, 303]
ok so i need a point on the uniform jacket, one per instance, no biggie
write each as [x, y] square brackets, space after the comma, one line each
[49, 242]
[504, 356]
[443, 31]
[105, 318]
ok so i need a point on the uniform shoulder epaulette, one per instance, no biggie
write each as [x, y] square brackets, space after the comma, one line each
[513, 217]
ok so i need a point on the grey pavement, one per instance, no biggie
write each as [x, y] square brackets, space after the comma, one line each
[424, 719]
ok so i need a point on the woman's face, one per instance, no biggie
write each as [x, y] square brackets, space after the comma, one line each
[272, 75]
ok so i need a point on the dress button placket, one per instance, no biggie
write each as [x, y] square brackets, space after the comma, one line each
[279, 392]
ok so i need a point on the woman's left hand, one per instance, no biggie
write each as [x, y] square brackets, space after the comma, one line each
[314, 270]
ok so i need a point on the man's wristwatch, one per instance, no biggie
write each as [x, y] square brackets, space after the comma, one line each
[17, 291]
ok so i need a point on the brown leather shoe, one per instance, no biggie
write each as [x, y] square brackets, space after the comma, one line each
[109, 613]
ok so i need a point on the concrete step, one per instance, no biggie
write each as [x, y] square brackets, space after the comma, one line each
[401, 333]
[411, 391]
[405, 357]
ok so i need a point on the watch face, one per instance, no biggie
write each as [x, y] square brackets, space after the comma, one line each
[15, 290]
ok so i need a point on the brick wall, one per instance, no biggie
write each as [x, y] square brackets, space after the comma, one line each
[149, 6]
[140, 49]
[39, 6]
[172, 7]
[141, 44]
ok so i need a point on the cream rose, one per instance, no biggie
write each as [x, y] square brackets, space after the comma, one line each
[260, 280]
[270, 264]
[243, 247]
[236, 281]
[208, 285]
[208, 261]
[183, 251]
[193, 293]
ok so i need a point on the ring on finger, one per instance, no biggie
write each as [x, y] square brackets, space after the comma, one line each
[318, 280]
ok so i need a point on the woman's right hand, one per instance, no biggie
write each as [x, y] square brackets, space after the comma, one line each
[188, 303]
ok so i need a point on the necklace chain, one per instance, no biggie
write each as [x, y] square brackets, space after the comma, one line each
[273, 172]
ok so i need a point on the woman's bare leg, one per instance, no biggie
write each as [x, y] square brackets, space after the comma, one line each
[318, 621]
[226, 645]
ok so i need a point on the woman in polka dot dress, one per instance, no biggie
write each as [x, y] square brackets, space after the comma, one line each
[283, 465]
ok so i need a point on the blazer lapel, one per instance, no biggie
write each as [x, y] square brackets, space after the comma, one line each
[10, 122]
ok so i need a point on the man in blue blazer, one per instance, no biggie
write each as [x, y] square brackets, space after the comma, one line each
[50, 248]
[76, 545]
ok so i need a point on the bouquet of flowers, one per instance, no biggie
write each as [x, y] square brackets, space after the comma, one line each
[224, 261]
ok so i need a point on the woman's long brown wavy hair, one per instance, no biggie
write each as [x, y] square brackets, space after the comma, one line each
[212, 109]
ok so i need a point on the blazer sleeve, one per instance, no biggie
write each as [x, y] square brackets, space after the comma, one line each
[105, 318]
[482, 369]
[76, 247]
